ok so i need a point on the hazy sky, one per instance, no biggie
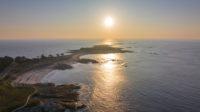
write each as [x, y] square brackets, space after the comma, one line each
[84, 18]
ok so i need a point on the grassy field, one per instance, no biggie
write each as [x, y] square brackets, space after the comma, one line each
[12, 97]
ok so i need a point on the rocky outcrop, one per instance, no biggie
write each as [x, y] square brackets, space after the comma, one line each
[86, 61]
[61, 66]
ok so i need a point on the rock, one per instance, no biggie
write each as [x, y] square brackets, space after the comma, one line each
[31, 109]
[81, 106]
[154, 53]
[74, 105]
[67, 110]
[86, 61]
[61, 66]
[53, 107]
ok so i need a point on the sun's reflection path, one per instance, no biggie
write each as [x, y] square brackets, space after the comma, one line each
[107, 83]
[108, 43]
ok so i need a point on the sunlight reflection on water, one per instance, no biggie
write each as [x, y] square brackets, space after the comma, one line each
[107, 82]
[161, 75]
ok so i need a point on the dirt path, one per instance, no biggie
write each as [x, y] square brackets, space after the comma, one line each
[27, 100]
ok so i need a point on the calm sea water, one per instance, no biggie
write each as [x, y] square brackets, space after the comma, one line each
[159, 76]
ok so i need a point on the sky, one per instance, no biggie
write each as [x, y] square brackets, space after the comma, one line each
[85, 18]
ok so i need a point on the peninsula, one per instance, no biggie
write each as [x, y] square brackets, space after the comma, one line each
[21, 89]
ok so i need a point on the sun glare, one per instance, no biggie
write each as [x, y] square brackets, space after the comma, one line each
[109, 21]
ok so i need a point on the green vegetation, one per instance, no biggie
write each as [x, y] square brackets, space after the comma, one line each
[33, 102]
[12, 97]
[5, 62]
[100, 49]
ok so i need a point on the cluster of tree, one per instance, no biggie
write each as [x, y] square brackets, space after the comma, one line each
[5, 62]
[50, 56]
[22, 59]
[61, 54]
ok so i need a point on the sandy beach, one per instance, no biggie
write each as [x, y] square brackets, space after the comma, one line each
[35, 76]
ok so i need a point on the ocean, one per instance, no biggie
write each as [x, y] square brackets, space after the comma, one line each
[161, 75]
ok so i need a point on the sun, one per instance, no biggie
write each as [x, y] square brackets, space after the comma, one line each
[109, 21]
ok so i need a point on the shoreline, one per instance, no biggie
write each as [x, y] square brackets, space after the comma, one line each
[35, 76]
[28, 73]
